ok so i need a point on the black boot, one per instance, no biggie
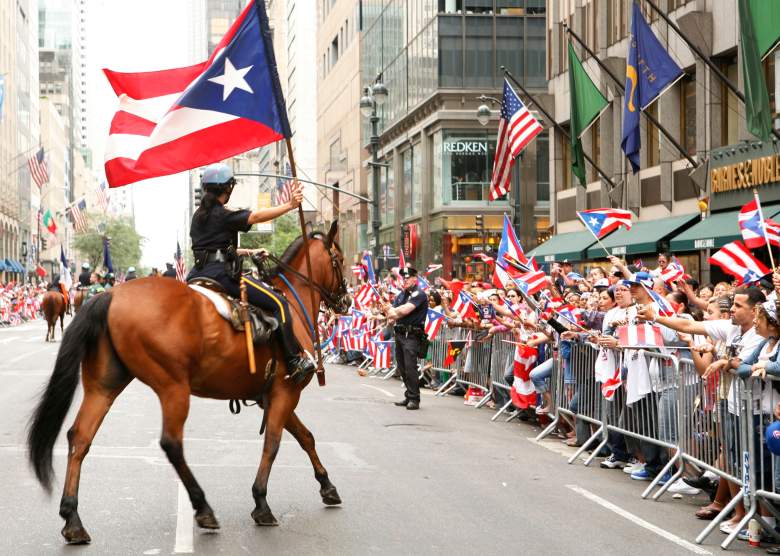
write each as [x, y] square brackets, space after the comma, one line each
[299, 365]
[402, 403]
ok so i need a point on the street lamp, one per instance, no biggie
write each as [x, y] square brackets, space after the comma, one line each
[373, 96]
[483, 112]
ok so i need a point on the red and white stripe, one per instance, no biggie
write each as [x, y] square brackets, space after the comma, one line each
[365, 296]
[640, 335]
[514, 133]
[39, 171]
[523, 393]
[102, 196]
[735, 259]
[536, 280]
[382, 354]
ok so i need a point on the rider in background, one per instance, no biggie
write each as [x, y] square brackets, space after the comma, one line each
[84, 277]
[130, 274]
[214, 232]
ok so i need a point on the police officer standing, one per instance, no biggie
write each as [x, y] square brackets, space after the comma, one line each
[409, 310]
[84, 277]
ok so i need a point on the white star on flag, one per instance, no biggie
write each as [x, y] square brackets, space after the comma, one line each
[232, 79]
[593, 222]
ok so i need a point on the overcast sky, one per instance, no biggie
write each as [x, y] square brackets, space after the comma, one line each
[140, 35]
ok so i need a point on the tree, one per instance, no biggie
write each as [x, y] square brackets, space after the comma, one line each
[125, 241]
[286, 229]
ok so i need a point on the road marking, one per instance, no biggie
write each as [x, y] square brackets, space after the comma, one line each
[28, 354]
[385, 392]
[184, 544]
[10, 339]
[638, 521]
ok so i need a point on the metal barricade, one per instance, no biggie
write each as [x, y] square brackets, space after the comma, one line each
[584, 398]
[475, 369]
[501, 358]
[439, 345]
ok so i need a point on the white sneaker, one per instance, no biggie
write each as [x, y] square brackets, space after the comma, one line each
[711, 476]
[633, 468]
[681, 487]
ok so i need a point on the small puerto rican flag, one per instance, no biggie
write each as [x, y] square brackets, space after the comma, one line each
[382, 352]
[433, 322]
[640, 335]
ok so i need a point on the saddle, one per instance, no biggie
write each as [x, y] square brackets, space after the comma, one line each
[229, 308]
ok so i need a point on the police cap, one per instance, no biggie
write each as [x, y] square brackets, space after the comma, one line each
[408, 272]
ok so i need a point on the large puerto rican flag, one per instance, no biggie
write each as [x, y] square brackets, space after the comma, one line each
[602, 221]
[735, 259]
[640, 335]
[174, 120]
[752, 225]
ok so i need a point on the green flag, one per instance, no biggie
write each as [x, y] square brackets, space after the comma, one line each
[587, 102]
[757, 112]
[766, 23]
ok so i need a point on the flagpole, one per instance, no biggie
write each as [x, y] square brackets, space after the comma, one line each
[315, 311]
[594, 235]
[762, 223]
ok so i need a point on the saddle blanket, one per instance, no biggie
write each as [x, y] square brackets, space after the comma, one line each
[220, 303]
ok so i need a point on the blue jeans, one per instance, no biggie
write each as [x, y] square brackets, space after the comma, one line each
[540, 374]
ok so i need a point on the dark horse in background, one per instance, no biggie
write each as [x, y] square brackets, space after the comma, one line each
[177, 344]
[53, 307]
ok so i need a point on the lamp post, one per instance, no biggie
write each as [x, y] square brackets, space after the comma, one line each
[373, 96]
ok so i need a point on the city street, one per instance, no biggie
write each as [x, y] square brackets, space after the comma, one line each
[440, 480]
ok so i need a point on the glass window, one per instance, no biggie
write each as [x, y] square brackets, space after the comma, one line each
[535, 52]
[450, 51]
[450, 6]
[564, 147]
[389, 215]
[466, 165]
[688, 116]
[509, 7]
[653, 147]
[509, 46]
[407, 182]
[479, 52]
[542, 167]
[416, 180]
[730, 108]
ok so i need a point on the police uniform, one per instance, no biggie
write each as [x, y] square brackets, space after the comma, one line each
[214, 242]
[408, 333]
[170, 272]
[84, 278]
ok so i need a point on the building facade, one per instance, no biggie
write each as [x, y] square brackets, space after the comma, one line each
[436, 59]
[19, 129]
[699, 112]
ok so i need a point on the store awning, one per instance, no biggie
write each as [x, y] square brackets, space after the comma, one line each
[2, 265]
[21, 266]
[643, 237]
[570, 246]
[714, 231]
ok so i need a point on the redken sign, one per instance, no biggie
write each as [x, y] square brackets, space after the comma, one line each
[466, 147]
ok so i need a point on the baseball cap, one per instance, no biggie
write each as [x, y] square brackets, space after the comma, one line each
[773, 438]
[640, 279]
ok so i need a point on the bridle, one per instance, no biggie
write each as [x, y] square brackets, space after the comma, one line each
[339, 301]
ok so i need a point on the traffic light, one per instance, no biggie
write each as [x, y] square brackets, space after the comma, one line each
[197, 196]
[480, 221]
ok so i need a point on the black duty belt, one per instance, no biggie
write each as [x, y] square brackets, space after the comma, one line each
[217, 256]
[407, 329]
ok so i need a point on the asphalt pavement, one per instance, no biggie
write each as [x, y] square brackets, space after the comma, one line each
[442, 480]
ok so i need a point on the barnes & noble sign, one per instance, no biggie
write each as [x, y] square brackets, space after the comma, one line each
[746, 175]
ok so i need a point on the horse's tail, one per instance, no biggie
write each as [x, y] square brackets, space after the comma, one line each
[80, 339]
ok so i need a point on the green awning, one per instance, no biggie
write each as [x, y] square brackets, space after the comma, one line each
[570, 246]
[714, 231]
[644, 237]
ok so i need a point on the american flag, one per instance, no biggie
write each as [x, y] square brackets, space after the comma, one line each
[102, 196]
[181, 274]
[516, 129]
[284, 187]
[77, 214]
[38, 169]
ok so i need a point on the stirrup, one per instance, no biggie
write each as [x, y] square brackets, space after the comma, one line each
[302, 366]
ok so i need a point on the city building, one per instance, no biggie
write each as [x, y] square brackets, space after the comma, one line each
[19, 129]
[699, 112]
[436, 59]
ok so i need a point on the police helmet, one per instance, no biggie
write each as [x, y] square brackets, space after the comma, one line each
[218, 176]
[110, 276]
[85, 266]
[131, 269]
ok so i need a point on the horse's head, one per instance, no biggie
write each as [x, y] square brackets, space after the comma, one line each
[335, 293]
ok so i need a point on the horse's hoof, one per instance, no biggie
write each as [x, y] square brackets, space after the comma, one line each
[265, 519]
[76, 535]
[207, 521]
[330, 496]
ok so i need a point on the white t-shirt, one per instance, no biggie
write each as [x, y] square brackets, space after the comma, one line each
[744, 345]
[769, 397]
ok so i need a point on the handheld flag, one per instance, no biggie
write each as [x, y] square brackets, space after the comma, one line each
[181, 274]
[523, 393]
[368, 265]
[433, 268]
[463, 304]
[433, 322]
[174, 120]
[382, 353]
[640, 335]
[65, 277]
[454, 348]
[665, 309]
[649, 71]
[754, 233]
[587, 103]
[509, 252]
[602, 221]
[735, 259]
[516, 128]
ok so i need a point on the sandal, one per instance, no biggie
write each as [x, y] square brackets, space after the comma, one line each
[708, 513]
[572, 442]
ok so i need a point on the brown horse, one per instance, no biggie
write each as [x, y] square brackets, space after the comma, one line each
[190, 350]
[78, 299]
[53, 306]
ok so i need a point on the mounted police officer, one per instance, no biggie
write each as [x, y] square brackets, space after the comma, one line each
[170, 272]
[85, 275]
[409, 310]
[130, 274]
[214, 233]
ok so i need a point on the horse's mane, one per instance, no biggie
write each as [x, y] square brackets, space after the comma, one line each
[294, 248]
